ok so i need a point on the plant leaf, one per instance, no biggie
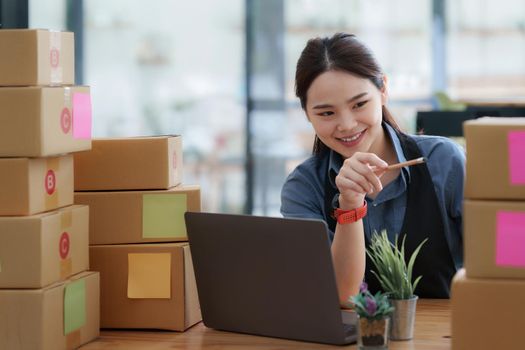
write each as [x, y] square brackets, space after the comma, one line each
[412, 262]
[415, 284]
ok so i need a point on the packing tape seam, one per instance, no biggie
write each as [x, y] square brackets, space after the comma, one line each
[51, 200]
[55, 48]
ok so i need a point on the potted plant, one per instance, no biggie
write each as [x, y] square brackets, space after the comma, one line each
[395, 277]
[373, 313]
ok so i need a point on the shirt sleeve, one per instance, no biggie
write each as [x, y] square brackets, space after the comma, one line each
[454, 185]
[302, 195]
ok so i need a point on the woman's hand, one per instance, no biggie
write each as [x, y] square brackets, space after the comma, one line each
[359, 175]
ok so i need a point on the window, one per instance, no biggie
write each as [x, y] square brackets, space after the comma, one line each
[486, 48]
[169, 67]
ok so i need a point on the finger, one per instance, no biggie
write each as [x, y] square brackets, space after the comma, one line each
[375, 167]
[380, 173]
[354, 175]
[371, 159]
[345, 184]
[374, 179]
[366, 175]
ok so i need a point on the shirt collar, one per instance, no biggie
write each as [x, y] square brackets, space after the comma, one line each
[405, 171]
[335, 160]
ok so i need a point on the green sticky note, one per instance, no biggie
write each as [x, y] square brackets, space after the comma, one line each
[74, 306]
[163, 215]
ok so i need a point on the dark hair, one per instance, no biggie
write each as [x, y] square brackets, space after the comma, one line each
[341, 52]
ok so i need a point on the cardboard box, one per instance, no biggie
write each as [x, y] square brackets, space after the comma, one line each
[139, 216]
[495, 158]
[33, 185]
[64, 315]
[138, 163]
[146, 286]
[36, 57]
[39, 250]
[44, 121]
[487, 313]
[494, 234]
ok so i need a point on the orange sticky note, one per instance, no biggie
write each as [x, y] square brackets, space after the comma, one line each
[149, 275]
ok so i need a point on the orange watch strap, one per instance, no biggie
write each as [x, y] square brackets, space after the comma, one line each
[352, 215]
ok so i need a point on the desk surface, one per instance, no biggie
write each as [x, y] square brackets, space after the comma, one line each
[432, 332]
[495, 102]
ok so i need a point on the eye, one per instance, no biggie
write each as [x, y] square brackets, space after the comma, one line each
[360, 104]
[325, 114]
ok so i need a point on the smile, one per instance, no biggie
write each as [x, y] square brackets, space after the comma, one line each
[351, 140]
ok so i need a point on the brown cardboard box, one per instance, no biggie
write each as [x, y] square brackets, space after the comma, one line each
[39, 250]
[138, 163]
[33, 185]
[494, 233]
[139, 216]
[43, 121]
[146, 286]
[64, 315]
[487, 313]
[495, 158]
[36, 57]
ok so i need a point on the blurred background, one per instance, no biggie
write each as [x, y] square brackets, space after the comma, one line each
[221, 73]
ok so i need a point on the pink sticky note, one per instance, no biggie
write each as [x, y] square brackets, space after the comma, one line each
[510, 239]
[81, 116]
[516, 141]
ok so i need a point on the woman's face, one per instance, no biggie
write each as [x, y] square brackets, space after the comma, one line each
[346, 112]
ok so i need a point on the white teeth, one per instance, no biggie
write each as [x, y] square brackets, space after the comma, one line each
[350, 139]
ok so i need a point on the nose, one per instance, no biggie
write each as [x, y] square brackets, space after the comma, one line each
[346, 122]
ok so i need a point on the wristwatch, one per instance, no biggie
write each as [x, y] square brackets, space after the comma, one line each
[348, 216]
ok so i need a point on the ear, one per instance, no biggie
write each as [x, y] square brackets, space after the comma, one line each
[384, 91]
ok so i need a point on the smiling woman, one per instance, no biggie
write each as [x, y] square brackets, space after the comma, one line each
[347, 181]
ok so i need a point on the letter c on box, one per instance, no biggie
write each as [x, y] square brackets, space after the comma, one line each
[64, 245]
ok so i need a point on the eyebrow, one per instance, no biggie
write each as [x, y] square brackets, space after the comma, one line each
[356, 97]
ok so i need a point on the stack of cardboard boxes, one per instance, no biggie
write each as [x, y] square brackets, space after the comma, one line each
[133, 188]
[48, 300]
[488, 295]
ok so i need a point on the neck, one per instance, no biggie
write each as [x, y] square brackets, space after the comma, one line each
[384, 148]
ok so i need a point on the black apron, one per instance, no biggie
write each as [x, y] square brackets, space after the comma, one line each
[423, 218]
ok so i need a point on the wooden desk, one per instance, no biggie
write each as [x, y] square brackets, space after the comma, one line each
[495, 102]
[432, 332]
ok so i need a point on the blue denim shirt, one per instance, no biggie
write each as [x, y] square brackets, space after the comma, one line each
[302, 195]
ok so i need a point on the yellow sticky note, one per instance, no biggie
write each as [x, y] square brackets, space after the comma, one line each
[149, 275]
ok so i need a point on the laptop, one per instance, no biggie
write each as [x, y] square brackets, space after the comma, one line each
[267, 276]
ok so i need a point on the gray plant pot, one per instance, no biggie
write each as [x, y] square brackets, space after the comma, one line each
[403, 318]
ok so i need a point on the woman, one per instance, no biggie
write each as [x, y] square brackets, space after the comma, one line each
[344, 93]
